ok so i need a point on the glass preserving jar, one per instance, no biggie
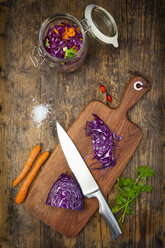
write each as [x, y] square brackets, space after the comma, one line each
[99, 25]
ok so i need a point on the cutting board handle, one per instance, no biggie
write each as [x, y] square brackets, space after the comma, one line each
[136, 88]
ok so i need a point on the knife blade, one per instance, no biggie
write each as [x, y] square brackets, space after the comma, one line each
[85, 179]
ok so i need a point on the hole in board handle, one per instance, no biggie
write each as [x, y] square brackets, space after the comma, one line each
[138, 85]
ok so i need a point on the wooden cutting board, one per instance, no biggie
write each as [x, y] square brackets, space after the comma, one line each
[71, 222]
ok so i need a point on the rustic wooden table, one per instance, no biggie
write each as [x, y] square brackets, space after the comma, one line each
[140, 26]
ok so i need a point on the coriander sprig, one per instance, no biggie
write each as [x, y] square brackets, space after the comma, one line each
[130, 189]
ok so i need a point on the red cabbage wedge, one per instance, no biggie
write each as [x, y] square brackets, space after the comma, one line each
[103, 142]
[65, 193]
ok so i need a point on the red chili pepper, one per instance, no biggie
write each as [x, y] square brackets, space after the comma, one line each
[109, 98]
[102, 88]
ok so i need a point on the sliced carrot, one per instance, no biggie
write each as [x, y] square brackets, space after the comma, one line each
[78, 29]
[34, 153]
[71, 32]
[55, 30]
[26, 184]
[74, 47]
[64, 36]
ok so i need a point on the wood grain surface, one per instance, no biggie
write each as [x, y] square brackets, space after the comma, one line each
[141, 46]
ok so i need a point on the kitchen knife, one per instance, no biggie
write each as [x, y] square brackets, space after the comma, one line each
[85, 179]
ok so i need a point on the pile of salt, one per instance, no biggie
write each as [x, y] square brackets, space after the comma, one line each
[40, 113]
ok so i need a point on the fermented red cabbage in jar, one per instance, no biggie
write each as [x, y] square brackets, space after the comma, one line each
[63, 41]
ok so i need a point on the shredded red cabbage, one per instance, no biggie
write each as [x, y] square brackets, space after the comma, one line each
[102, 142]
[65, 193]
[63, 40]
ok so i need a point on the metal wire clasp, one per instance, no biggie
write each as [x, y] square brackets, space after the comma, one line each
[40, 56]
[85, 25]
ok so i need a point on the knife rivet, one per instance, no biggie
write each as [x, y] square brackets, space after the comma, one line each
[138, 85]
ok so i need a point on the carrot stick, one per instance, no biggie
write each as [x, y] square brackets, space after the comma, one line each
[26, 184]
[34, 153]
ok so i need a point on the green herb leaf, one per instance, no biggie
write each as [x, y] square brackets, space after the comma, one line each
[141, 185]
[128, 182]
[148, 188]
[120, 182]
[115, 209]
[132, 193]
[127, 209]
[120, 199]
[145, 171]
[69, 53]
[47, 44]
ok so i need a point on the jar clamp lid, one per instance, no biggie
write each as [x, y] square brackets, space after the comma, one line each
[101, 25]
